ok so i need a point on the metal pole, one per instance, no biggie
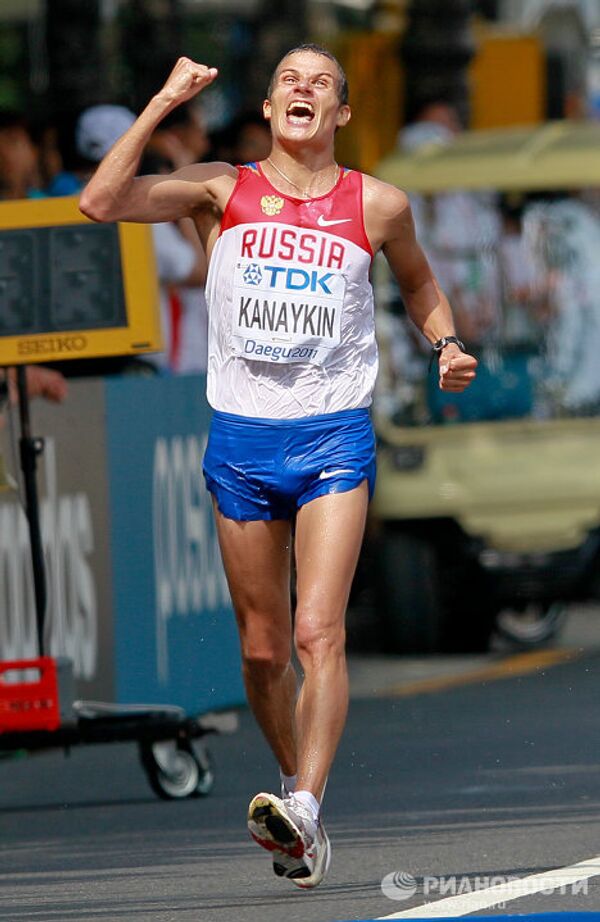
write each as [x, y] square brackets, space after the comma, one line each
[29, 449]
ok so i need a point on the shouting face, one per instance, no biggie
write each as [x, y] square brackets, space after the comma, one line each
[304, 105]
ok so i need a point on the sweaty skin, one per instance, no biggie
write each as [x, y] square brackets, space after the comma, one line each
[304, 111]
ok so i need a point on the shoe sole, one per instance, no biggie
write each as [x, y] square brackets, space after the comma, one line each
[272, 830]
[314, 879]
[292, 868]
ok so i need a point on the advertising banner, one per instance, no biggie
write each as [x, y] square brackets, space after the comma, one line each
[76, 537]
[175, 634]
[137, 593]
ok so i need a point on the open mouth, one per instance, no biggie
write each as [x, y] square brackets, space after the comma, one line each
[300, 112]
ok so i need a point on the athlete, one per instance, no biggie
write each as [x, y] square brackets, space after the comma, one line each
[291, 368]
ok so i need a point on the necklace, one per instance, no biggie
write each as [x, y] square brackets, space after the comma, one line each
[302, 192]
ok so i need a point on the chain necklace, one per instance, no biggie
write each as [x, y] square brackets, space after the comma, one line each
[302, 192]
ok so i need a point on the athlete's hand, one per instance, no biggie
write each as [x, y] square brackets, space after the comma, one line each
[186, 80]
[457, 369]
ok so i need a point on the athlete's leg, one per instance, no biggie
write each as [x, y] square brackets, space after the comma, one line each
[329, 533]
[256, 556]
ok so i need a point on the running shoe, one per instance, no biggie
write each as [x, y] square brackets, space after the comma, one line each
[300, 846]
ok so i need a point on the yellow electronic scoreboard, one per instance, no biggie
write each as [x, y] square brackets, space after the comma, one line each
[73, 289]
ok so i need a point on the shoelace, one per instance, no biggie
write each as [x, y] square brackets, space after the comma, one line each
[304, 814]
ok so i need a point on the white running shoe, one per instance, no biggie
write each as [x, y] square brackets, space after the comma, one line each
[300, 846]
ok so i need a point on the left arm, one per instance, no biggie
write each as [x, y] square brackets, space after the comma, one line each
[391, 228]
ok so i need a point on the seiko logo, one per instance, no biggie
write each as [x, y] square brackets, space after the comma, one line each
[52, 345]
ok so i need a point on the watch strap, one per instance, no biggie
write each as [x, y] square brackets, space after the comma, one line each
[441, 344]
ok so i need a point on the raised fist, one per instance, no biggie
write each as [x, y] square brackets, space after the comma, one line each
[186, 80]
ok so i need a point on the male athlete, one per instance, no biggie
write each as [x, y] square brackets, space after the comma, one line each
[291, 368]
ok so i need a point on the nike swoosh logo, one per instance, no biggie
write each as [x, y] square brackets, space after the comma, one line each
[325, 475]
[323, 222]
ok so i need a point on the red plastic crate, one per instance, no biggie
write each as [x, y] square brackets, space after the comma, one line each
[32, 705]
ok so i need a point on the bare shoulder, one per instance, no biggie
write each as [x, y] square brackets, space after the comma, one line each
[209, 185]
[388, 200]
[217, 177]
[203, 172]
[386, 210]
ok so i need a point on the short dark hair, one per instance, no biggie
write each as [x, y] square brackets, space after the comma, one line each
[178, 117]
[11, 118]
[341, 83]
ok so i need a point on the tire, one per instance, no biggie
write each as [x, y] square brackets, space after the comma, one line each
[430, 599]
[468, 610]
[175, 770]
[207, 771]
[406, 592]
[533, 625]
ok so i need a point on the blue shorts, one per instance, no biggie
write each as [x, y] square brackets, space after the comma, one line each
[268, 468]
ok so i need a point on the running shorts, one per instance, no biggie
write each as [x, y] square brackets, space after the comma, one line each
[268, 468]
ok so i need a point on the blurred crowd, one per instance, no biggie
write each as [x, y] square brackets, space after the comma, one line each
[520, 270]
[521, 273]
[57, 158]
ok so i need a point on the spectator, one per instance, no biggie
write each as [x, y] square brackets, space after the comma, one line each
[83, 142]
[459, 229]
[244, 140]
[182, 139]
[19, 167]
[181, 268]
[251, 138]
[83, 139]
[562, 235]
[41, 382]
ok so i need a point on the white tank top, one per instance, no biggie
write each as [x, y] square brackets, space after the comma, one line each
[290, 304]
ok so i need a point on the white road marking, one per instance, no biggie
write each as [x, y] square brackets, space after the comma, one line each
[465, 903]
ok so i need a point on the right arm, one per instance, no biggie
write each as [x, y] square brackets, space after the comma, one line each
[115, 194]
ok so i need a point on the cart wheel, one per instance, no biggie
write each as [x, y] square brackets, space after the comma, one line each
[175, 770]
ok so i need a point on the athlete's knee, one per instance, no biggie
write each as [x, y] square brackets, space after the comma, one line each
[265, 666]
[318, 639]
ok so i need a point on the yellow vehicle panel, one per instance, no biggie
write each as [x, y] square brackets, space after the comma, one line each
[557, 155]
[521, 486]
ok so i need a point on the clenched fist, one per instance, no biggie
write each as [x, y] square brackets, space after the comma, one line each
[457, 369]
[186, 80]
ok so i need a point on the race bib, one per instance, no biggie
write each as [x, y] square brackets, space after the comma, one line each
[285, 313]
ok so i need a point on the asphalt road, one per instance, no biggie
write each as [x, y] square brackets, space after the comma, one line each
[493, 778]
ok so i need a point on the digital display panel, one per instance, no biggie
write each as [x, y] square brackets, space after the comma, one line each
[60, 278]
[70, 288]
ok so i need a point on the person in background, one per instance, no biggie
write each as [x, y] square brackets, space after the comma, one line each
[20, 179]
[19, 165]
[251, 138]
[181, 269]
[181, 139]
[83, 141]
[41, 382]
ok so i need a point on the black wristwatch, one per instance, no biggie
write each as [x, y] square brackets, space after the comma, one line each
[442, 343]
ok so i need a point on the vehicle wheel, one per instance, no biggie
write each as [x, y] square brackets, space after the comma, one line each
[533, 625]
[406, 592]
[469, 613]
[174, 770]
[207, 771]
